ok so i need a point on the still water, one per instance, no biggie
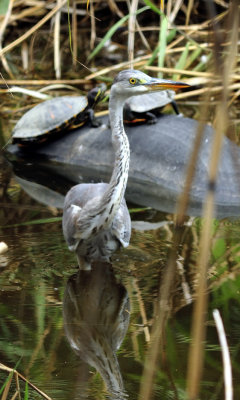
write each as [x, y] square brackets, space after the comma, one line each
[84, 335]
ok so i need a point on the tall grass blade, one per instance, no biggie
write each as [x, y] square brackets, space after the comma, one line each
[153, 7]
[111, 31]
[192, 57]
[223, 70]
[171, 35]
[69, 28]
[162, 42]
[35, 222]
[26, 392]
[9, 378]
[141, 209]
[182, 61]
[201, 66]
[6, 386]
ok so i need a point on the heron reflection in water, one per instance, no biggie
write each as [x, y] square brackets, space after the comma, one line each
[96, 313]
[96, 220]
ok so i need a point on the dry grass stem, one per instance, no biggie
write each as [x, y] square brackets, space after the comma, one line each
[28, 12]
[2, 30]
[36, 351]
[215, 89]
[162, 314]
[32, 30]
[142, 310]
[29, 92]
[14, 396]
[74, 34]
[182, 203]
[114, 8]
[57, 59]
[137, 61]
[43, 82]
[131, 30]
[196, 352]
[225, 355]
[93, 26]
[189, 10]
[176, 7]
[7, 387]
[11, 370]
[18, 385]
[25, 56]
[209, 75]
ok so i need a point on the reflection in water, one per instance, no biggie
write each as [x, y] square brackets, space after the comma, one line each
[96, 317]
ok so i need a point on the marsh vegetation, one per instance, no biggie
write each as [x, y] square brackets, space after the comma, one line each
[176, 275]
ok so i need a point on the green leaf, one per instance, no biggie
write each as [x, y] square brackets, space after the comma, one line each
[162, 42]
[4, 6]
[182, 61]
[26, 392]
[171, 35]
[6, 382]
[193, 56]
[136, 210]
[153, 7]
[201, 66]
[112, 30]
[219, 248]
[9, 377]
[35, 222]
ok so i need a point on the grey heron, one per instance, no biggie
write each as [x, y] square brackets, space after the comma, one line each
[96, 221]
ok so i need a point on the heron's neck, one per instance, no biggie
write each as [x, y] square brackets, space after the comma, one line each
[103, 214]
[118, 181]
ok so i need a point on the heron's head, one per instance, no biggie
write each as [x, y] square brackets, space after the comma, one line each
[131, 82]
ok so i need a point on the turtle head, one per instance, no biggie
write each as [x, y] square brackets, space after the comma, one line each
[96, 94]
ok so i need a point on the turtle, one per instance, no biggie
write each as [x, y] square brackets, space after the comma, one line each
[55, 116]
[145, 108]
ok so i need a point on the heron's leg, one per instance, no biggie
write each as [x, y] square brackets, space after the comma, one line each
[175, 107]
[83, 263]
[93, 120]
[151, 118]
[128, 115]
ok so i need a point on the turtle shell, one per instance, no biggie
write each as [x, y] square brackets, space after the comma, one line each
[49, 117]
[149, 101]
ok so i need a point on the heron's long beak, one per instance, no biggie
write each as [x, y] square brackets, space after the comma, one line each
[163, 84]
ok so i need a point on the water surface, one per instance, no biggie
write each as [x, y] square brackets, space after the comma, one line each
[108, 316]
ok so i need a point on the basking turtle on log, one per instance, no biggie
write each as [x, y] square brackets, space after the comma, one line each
[146, 108]
[53, 117]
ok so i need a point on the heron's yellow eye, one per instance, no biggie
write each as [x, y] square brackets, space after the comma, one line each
[132, 81]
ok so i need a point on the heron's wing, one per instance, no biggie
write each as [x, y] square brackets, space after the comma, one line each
[70, 216]
[78, 204]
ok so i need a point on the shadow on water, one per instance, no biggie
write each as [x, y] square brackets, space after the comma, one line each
[96, 313]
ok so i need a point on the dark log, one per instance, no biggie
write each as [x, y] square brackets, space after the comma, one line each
[159, 158]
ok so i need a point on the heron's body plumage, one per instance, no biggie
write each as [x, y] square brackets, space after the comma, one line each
[85, 228]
